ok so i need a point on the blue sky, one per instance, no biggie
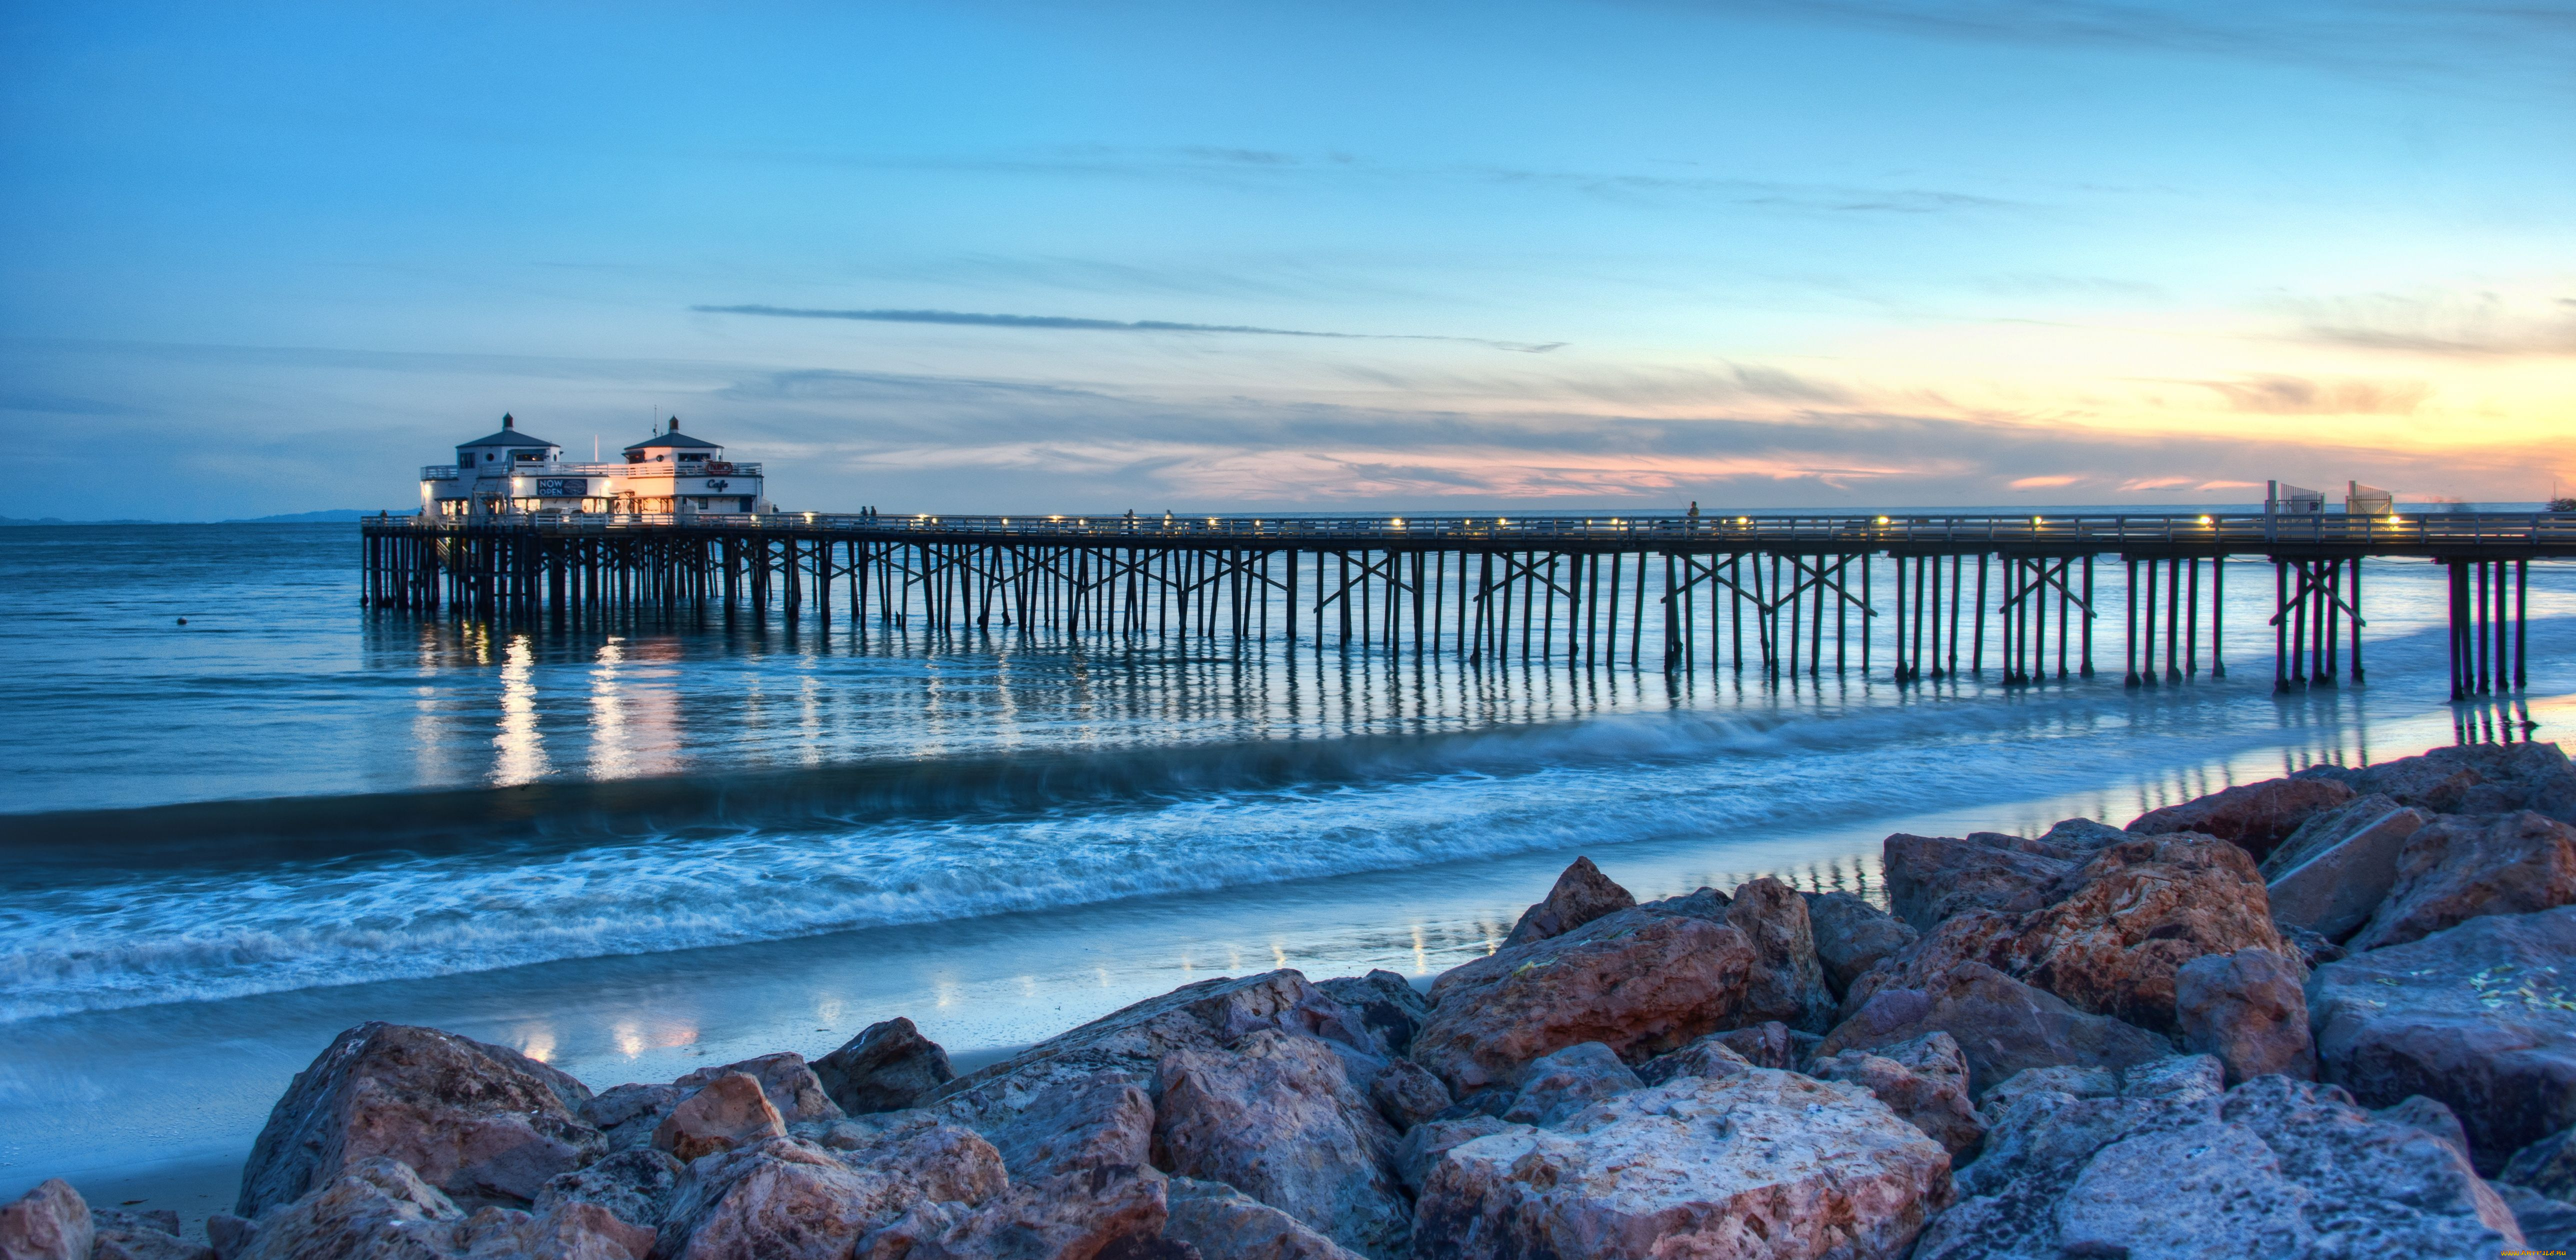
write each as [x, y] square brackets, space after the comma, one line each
[1618, 255]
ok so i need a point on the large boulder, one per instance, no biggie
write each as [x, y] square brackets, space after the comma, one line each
[483, 1124]
[1853, 936]
[2333, 874]
[1582, 894]
[1923, 1080]
[1558, 1085]
[50, 1222]
[2001, 1025]
[1223, 1222]
[2169, 1166]
[1406, 1093]
[1638, 982]
[1102, 1121]
[2255, 816]
[1072, 1216]
[1764, 1163]
[378, 1209]
[1132, 1043]
[2248, 1010]
[2464, 866]
[1276, 1117]
[2470, 779]
[790, 1199]
[1930, 878]
[1387, 1006]
[790, 1085]
[887, 1067]
[721, 1114]
[2481, 1017]
[1786, 982]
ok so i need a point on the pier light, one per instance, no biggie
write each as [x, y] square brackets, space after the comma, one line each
[2395, 519]
[809, 518]
[2036, 520]
[1882, 520]
[1744, 520]
[2204, 520]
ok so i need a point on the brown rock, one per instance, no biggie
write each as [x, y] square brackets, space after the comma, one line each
[152, 1235]
[2255, 816]
[1786, 982]
[1923, 1080]
[2471, 779]
[2248, 1010]
[1771, 1044]
[1558, 1085]
[887, 1067]
[1276, 1117]
[790, 1085]
[2340, 866]
[633, 1185]
[1387, 1006]
[481, 1123]
[1930, 878]
[1224, 1223]
[1853, 936]
[1408, 1094]
[49, 1222]
[2461, 867]
[1071, 1216]
[1582, 894]
[1708, 1056]
[627, 1114]
[1102, 1121]
[2132, 916]
[2481, 1017]
[790, 1200]
[1765, 1163]
[1703, 902]
[1636, 982]
[2002, 1025]
[377, 1209]
[725, 1113]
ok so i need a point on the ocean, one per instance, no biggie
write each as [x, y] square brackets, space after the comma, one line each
[633, 846]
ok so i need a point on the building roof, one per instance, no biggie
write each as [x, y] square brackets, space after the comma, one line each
[508, 436]
[675, 439]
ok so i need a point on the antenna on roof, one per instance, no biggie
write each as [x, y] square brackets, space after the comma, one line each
[507, 422]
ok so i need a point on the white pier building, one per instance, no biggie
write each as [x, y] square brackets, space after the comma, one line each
[670, 473]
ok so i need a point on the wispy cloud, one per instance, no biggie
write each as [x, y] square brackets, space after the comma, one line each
[2301, 396]
[1080, 324]
[2480, 325]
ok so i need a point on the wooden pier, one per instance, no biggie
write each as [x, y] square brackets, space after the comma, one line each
[1782, 595]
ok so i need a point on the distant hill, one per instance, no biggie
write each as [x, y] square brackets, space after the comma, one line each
[328, 514]
[6, 521]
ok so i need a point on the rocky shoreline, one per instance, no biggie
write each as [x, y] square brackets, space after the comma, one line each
[2329, 1015]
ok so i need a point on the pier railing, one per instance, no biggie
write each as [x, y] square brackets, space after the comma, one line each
[2401, 533]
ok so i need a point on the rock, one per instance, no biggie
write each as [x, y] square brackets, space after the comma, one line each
[1786, 982]
[1387, 1006]
[1637, 982]
[626, 1115]
[2481, 1017]
[1224, 1223]
[481, 1123]
[1558, 1085]
[2171, 1167]
[2256, 817]
[2248, 1009]
[1582, 894]
[2313, 951]
[2330, 827]
[2078, 836]
[2428, 1116]
[1134, 1041]
[1771, 1045]
[1924, 1081]
[1852, 936]
[378, 1209]
[1764, 1163]
[1408, 1094]
[49, 1222]
[1276, 1117]
[1708, 1056]
[1930, 878]
[2461, 867]
[1422, 1148]
[2334, 886]
[887, 1067]
[790, 1085]
[2547, 1166]
[725, 1113]
[2130, 918]
[633, 1185]
[2002, 1025]
[230, 1234]
[2547, 1224]
[1700, 903]
[786, 1199]
[1071, 1216]
[152, 1235]
[1101, 1121]
[2471, 779]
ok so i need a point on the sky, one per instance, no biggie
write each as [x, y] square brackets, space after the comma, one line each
[1221, 256]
